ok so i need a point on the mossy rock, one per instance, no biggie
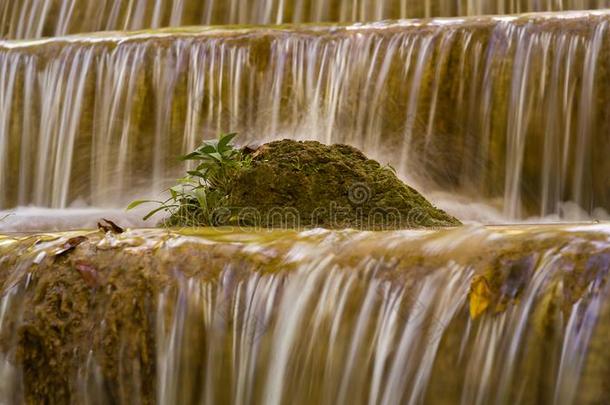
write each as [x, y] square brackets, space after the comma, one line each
[308, 184]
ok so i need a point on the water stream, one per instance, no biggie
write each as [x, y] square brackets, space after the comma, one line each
[38, 18]
[497, 119]
[317, 316]
[509, 112]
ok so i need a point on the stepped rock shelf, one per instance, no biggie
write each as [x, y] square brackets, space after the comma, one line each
[25, 19]
[510, 109]
[496, 314]
[511, 113]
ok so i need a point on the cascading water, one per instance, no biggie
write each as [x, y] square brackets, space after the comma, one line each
[511, 112]
[313, 317]
[516, 107]
[38, 18]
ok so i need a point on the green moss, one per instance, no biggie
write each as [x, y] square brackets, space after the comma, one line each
[100, 305]
[307, 184]
[462, 125]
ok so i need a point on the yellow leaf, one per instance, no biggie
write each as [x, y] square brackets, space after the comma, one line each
[480, 296]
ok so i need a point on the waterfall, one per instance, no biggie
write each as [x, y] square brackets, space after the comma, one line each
[38, 18]
[508, 113]
[509, 109]
[312, 317]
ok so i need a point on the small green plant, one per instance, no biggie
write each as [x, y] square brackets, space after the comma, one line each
[204, 192]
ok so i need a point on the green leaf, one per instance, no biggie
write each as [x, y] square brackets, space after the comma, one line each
[191, 156]
[205, 188]
[186, 181]
[161, 208]
[225, 139]
[200, 194]
[216, 156]
[137, 203]
[196, 173]
[207, 147]
[174, 191]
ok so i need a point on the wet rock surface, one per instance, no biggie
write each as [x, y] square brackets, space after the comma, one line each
[155, 315]
[308, 184]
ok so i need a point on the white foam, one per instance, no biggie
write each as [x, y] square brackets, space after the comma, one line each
[37, 219]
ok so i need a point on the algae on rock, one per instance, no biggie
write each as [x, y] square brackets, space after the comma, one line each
[293, 185]
[308, 184]
[108, 318]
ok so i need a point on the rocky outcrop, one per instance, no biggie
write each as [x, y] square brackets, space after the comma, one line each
[308, 184]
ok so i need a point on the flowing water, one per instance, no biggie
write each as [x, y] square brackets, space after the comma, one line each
[496, 119]
[509, 111]
[320, 316]
[38, 18]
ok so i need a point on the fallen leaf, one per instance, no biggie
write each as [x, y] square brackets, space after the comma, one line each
[88, 273]
[480, 296]
[70, 245]
[108, 226]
